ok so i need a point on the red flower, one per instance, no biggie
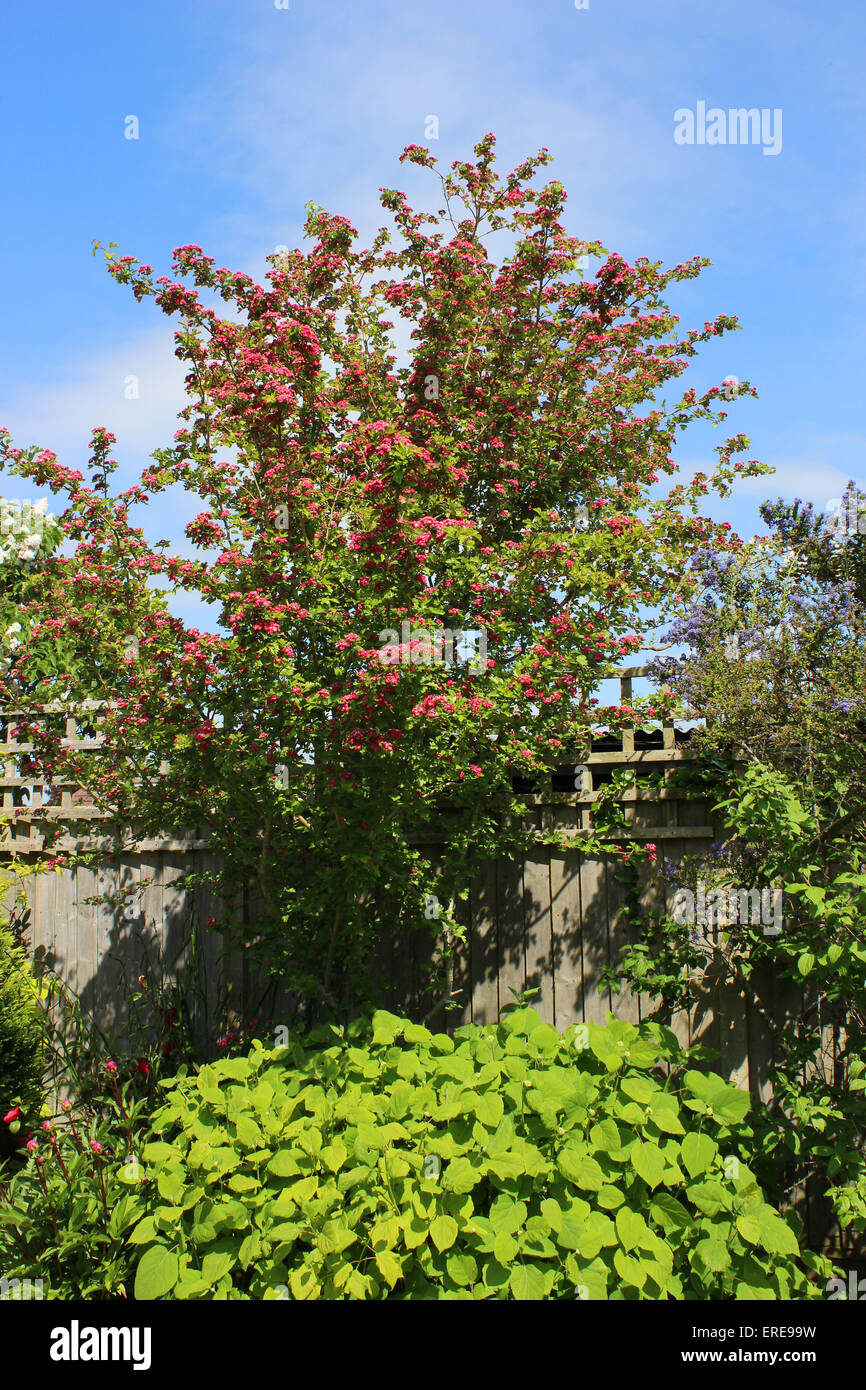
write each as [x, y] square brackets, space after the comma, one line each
[144, 1068]
[12, 1115]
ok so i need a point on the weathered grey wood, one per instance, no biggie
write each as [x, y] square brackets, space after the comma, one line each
[207, 908]
[538, 938]
[621, 932]
[176, 911]
[595, 946]
[64, 947]
[45, 920]
[512, 959]
[149, 926]
[760, 1025]
[85, 960]
[566, 934]
[731, 1019]
[484, 954]
[108, 981]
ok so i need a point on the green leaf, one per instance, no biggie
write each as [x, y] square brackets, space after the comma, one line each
[713, 1254]
[639, 1088]
[495, 1275]
[461, 1176]
[527, 1283]
[609, 1198]
[777, 1238]
[443, 1232]
[170, 1187]
[157, 1152]
[507, 1216]
[284, 1164]
[596, 1231]
[698, 1152]
[630, 1228]
[606, 1136]
[215, 1264]
[505, 1248]
[303, 1283]
[733, 1106]
[648, 1163]
[669, 1212]
[389, 1266]
[143, 1233]
[334, 1237]
[248, 1133]
[386, 1027]
[710, 1197]
[490, 1109]
[753, 1293]
[334, 1155]
[157, 1273]
[239, 1182]
[580, 1169]
[749, 1228]
[630, 1270]
[251, 1248]
[462, 1269]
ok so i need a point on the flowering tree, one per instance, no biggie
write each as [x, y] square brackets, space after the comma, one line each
[420, 563]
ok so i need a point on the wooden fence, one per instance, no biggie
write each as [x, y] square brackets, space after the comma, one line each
[552, 921]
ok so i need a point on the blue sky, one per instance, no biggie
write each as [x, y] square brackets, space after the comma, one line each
[247, 111]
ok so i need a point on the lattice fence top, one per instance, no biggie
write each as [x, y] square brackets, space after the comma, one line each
[575, 783]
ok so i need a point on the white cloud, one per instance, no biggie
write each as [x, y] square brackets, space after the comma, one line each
[60, 412]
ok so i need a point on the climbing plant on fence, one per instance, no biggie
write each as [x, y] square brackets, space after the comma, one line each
[420, 560]
[775, 663]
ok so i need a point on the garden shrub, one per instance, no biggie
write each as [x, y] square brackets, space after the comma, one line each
[507, 1162]
[21, 1041]
[774, 671]
[64, 1215]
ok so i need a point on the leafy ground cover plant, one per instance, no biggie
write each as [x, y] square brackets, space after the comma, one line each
[507, 1162]
[420, 563]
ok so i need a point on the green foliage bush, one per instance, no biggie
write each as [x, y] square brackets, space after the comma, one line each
[64, 1215]
[21, 1037]
[775, 673]
[507, 1162]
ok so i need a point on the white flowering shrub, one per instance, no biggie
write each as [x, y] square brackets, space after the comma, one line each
[28, 535]
[22, 530]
